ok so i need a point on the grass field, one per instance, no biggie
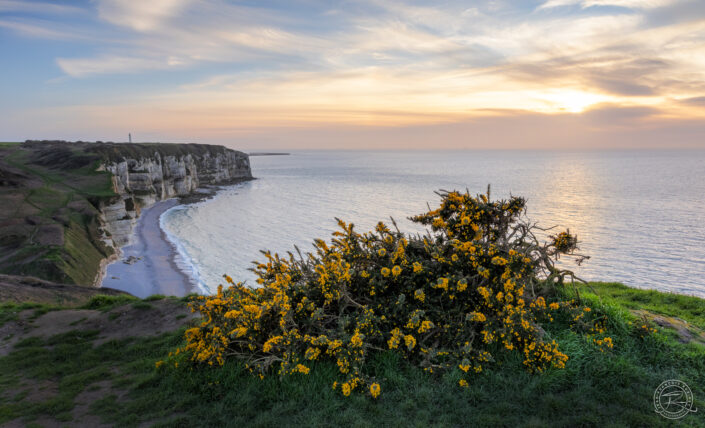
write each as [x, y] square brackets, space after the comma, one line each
[117, 382]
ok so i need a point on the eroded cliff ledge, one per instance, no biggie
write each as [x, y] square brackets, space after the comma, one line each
[156, 172]
[66, 208]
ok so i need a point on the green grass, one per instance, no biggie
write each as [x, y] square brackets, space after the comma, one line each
[688, 308]
[11, 311]
[595, 389]
[77, 260]
[72, 363]
[142, 305]
[105, 303]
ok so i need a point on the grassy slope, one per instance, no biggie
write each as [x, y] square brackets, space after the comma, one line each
[595, 389]
[55, 198]
[688, 308]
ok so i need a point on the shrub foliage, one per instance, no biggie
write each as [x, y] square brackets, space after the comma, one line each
[475, 285]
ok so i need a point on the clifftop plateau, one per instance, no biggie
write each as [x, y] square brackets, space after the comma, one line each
[66, 208]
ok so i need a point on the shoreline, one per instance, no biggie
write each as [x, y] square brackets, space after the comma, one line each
[147, 265]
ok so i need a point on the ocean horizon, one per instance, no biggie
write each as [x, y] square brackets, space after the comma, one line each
[637, 214]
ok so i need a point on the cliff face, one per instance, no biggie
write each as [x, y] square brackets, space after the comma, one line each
[140, 182]
[67, 208]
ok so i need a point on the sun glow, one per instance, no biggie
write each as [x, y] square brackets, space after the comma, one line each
[571, 101]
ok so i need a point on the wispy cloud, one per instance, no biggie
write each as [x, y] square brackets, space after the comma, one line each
[111, 64]
[32, 30]
[144, 16]
[44, 8]
[632, 4]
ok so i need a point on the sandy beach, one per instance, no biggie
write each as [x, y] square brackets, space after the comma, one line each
[152, 267]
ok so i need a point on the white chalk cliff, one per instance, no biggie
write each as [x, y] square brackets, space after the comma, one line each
[140, 182]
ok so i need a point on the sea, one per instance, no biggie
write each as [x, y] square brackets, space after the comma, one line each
[639, 215]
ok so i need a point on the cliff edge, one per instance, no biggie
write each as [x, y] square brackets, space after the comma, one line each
[66, 208]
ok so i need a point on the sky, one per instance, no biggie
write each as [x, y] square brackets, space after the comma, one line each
[368, 74]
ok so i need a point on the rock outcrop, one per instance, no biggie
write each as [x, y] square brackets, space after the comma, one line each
[140, 182]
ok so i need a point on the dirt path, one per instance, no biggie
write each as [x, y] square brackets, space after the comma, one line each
[21, 289]
[140, 319]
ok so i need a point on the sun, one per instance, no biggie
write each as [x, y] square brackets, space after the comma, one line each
[570, 101]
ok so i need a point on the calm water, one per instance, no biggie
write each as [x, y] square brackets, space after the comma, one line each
[639, 215]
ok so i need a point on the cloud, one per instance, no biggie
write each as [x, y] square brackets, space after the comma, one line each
[38, 7]
[37, 31]
[143, 16]
[108, 64]
[611, 115]
[631, 4]
[694, 101]
[621, 87]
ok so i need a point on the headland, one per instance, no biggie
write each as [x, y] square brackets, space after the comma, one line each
[67, 208]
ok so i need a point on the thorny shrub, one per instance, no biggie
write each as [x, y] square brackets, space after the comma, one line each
[475, 285]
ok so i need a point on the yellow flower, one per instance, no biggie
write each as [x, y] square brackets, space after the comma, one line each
[396, 270]
[382, 252]
[302, 369]
[346, 389]
[499, 261]
[159, 364]
[239, 332]
[395, 339]
[464, 367]
[419, 295]
[375, 390]
[554, 306]
[417, 267]
[425, 326]
[462, 284]
[356, 340]
[312, 353]
[442, 283]
[463, 383]
[385, 272]
[477, 316]
[364, 274]
[409, 341]
[587, 309]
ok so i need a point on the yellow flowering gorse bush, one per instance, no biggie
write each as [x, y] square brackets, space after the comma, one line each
[474, 286]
